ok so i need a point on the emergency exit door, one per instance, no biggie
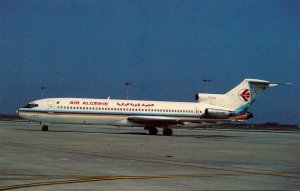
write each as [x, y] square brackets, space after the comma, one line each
[50, 106]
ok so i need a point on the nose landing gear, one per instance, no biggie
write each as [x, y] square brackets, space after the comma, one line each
[45, 128]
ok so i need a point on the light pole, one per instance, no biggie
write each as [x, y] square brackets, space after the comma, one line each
[206, 81]
[127, 84]
[43, 90]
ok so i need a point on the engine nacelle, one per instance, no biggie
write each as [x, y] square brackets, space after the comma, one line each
[204, 97]
[218, 113]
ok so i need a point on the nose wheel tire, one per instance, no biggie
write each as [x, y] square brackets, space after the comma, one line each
[45, 128]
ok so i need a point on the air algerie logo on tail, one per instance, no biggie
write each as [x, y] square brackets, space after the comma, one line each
[245, 95]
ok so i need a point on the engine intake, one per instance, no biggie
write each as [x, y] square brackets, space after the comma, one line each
[197, 97]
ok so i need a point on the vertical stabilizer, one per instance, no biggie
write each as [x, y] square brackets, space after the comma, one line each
[242, 96]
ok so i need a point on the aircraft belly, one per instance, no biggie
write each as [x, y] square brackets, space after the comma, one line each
[73, 118]
[84, 119]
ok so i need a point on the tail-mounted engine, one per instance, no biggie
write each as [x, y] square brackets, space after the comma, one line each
[218, 113]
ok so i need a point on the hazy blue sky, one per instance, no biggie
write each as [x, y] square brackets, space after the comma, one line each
[164, 47]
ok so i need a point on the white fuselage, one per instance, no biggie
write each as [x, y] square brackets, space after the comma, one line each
[106, 111]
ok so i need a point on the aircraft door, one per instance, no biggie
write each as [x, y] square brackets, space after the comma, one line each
[197, 111]
[50, 106]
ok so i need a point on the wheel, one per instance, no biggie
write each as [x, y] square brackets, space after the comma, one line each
[153, 131]
[167, 132]
[45, 128]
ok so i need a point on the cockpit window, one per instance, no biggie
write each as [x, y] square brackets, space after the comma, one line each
[31, 105]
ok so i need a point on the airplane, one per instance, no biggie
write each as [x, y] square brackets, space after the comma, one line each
[208, 109]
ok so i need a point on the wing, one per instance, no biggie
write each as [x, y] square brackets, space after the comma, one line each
[160, 121]
[154, 120]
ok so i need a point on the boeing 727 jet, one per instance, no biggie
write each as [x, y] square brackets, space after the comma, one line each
[209, 108]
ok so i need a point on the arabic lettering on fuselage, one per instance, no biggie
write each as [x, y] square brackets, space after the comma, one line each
[135, 104]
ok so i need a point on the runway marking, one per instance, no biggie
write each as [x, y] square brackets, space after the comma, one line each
[84, 179]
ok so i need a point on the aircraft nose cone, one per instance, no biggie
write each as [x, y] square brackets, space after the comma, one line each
[17, 112]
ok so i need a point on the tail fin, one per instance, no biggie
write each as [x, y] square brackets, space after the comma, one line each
[242, 96]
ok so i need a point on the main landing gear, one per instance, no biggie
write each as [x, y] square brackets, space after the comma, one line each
[45, 128]
[166, 131]
[153, 131]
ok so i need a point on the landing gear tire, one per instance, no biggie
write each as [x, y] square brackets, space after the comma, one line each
[45, 128]
[153, 131]
[167, 132]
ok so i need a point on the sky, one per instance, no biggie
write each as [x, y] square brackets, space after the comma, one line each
[165, 48]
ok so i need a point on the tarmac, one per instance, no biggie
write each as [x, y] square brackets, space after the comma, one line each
[73, 157]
